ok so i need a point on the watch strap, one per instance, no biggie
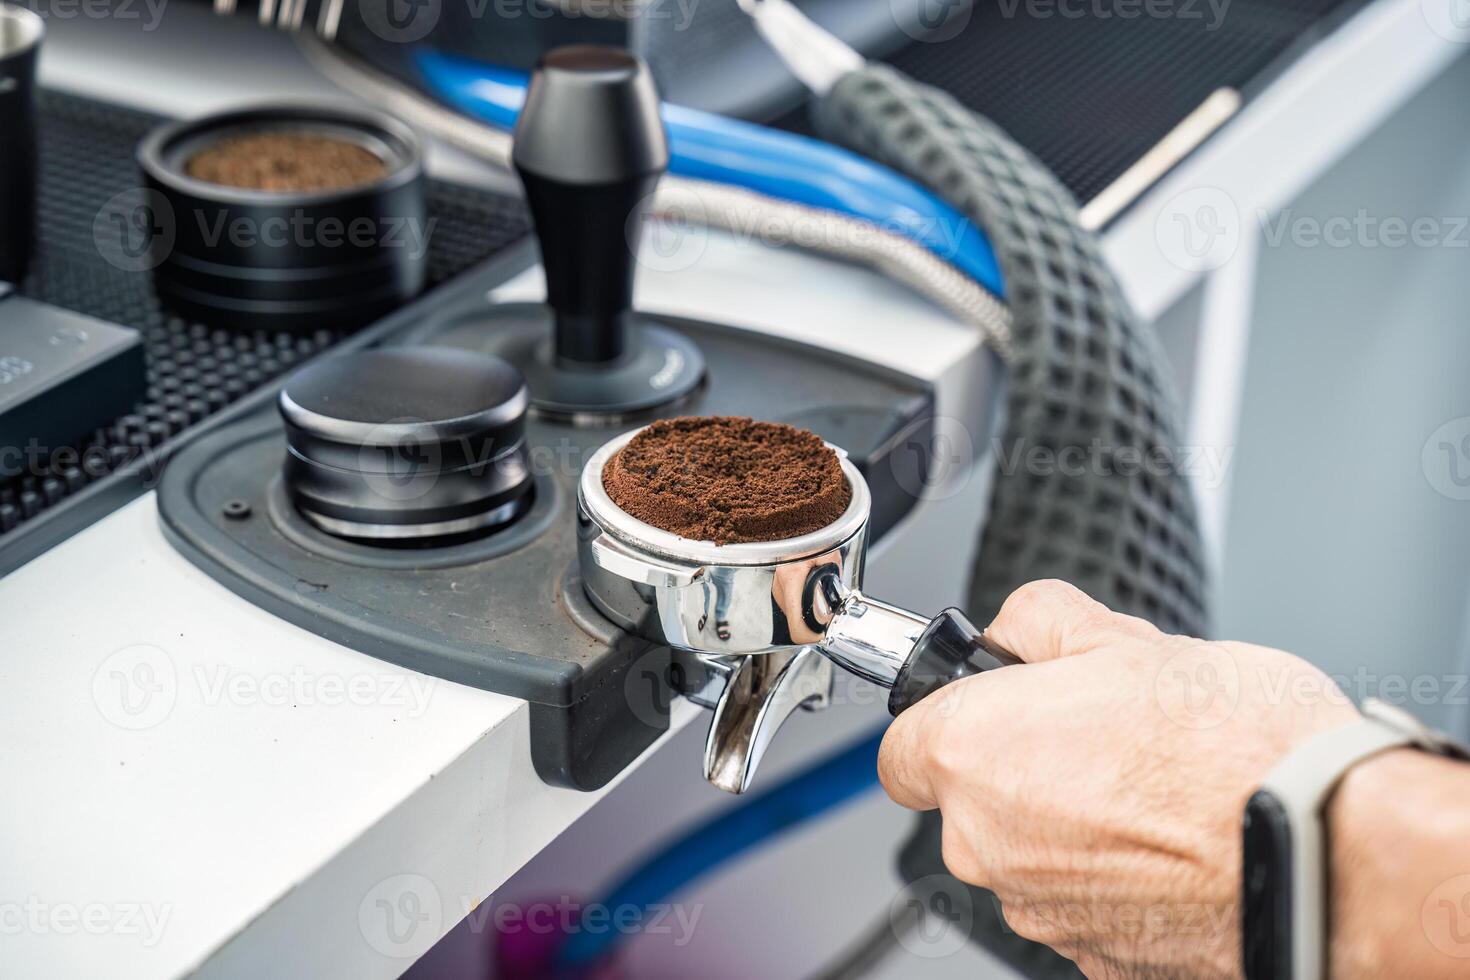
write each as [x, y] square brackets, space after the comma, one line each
[1288, 813]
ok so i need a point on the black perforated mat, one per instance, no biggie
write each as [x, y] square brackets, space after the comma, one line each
[194, 370]
[1089, 95]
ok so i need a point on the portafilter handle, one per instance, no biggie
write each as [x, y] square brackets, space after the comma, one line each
[906, 653]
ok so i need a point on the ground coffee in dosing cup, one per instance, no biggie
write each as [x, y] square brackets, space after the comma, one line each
[286, 161]
[286, 216]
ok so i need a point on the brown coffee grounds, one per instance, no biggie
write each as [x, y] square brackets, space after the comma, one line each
[728, 480]
[286, 162]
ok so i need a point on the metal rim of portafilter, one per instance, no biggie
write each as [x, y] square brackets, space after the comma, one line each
[800, 592]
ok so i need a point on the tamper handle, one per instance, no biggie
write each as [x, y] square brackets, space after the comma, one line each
[949, 649]
[590, 147]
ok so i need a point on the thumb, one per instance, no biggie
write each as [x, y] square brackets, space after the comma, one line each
[1040, 621]
[1050, 619]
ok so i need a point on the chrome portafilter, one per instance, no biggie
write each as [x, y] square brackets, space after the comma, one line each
[757, 627]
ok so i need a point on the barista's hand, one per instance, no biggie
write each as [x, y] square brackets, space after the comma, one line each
[1098, 788]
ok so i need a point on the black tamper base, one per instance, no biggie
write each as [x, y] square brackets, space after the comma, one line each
[658, 366]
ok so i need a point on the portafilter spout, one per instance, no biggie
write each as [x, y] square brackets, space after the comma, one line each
[791, 609]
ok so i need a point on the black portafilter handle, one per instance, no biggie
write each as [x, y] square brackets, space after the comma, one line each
[949, 650]
[590, 147]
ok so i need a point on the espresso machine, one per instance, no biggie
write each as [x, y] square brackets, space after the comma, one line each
[380, 472]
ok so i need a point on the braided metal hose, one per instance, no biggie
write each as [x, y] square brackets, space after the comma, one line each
[1086, 378]
[1089, 487]
[699, 202]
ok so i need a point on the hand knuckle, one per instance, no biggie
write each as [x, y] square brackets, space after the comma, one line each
[959, 855]
[1044, 592]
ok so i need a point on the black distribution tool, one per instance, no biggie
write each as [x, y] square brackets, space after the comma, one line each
[407, 444]
[62, 375]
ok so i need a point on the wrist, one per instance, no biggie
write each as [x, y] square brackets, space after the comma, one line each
[1399, 837]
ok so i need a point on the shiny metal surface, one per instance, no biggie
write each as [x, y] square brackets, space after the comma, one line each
[495, 517]
[758, 695]
[20, 30]
[756, 628]
[872, 639]
[685, 593]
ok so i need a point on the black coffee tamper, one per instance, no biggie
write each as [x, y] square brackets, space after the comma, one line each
[590, 148]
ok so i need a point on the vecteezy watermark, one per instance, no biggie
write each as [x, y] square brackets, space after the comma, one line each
[673, 237]
[935, 460]
[407, 21]
[651, 683]
[138, 687]
[1207, 467]
[147, 13]
[675, 234]
[1445, 917]
[1424, 690]
[222, 685]
[564, 916]
[1198, 230]
[1198, 687]
[135, 688]
[42, 461]
[1364, 229]
[659, 675]
[136, 231]
[401, 21]
[303, 230]
[933, 917]
[933, 21]
[1450, 19]
[401, 916]
[1210, 13]
[1446, 459]
[398, 466]
[143, 921]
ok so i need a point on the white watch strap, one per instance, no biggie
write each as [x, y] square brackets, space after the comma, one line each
[1303, 782]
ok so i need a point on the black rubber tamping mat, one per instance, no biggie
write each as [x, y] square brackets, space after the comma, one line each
[1090, 87]
[194, 369]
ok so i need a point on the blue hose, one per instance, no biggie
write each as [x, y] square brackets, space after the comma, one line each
[705, 146]
[798, 798]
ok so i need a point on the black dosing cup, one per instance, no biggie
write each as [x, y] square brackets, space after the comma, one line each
[21, 32]
[238, 256]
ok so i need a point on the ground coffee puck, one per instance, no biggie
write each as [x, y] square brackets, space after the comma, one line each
[728, 480]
